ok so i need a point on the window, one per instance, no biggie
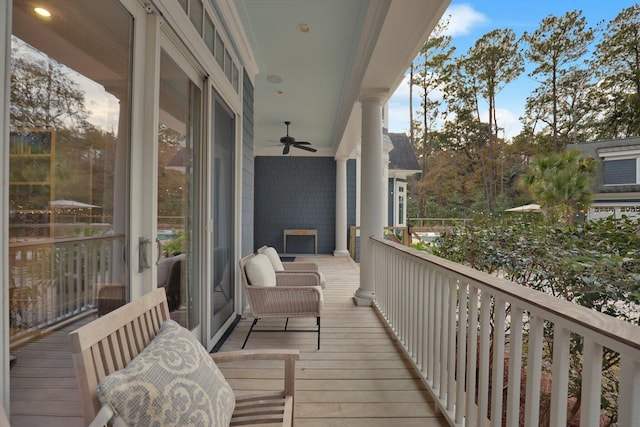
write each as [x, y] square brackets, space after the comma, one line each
[620, 171]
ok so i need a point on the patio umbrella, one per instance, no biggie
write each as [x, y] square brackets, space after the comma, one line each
[526, 208]
[69, 204]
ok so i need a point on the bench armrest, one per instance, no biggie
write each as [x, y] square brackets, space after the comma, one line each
[288, 356]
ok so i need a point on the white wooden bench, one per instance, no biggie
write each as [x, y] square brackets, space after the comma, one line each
[110, 342]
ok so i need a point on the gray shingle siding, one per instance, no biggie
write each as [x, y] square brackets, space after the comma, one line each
[295, 193]
[247, 167]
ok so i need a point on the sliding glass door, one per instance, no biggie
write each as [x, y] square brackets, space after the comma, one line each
[222, 208]
[179, 134]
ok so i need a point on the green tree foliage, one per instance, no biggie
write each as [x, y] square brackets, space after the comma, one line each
[593, 264]
[555, 48]
[617, 64]
[494, 61]
[432, 71]
[561, 184]
[575, 101]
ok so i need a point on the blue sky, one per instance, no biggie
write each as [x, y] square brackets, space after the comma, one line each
[472, 19]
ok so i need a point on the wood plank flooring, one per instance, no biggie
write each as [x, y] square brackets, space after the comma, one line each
[357, 378]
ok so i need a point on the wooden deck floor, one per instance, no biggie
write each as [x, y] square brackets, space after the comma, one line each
[357, 378]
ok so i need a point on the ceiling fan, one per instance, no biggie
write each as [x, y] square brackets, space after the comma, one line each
[289, 141]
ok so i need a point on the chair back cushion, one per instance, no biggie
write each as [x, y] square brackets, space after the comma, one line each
[273, 256]
[260, 272]
[172, 382]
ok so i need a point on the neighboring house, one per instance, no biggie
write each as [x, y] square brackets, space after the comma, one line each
[402, 164]
[129, 83]
[617, 179]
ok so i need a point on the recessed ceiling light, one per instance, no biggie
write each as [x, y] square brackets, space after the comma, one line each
[42, 12]
[273, 78]
[303, 28]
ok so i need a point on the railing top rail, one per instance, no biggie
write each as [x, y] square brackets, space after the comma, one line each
[599, 323]
[54, 242]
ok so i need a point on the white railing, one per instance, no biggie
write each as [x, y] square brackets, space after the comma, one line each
[463, 328]
[57, 279]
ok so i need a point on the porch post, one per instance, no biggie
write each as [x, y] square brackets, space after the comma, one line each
[341, 208]
[373, 190]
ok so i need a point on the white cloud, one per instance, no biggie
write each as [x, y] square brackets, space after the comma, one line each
[507, 120]
[399, 108]
[462, 19]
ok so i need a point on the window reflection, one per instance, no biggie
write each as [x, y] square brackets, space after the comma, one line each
[69, 138]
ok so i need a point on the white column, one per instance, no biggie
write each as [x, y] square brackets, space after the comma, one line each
[373, 190]
[341, 208]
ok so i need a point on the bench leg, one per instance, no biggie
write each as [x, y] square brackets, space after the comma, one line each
[250, 329]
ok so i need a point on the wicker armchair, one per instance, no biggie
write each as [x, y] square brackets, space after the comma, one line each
[287, 267]
[111, 297]
[296, 294]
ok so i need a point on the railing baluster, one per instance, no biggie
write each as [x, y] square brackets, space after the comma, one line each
[416, 310]
[497, 383]
[560, 375]
[534, 371]
[628, 408]
[425, 321]
[451, 362]
[483, 368]
[462, 352]
[472, 345]
[515, 367]
[437, 331]
[431, 307]
[591, 383]
[444, 335]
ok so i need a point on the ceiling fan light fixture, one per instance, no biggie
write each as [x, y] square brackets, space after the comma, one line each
[303, 28]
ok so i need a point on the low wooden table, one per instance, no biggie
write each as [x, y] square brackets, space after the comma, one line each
[301, 232]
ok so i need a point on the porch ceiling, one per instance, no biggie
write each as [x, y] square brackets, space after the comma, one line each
[350, 45]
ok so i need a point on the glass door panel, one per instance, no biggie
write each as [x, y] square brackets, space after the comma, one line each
[178, 136]
[222, 207]
[69, 145]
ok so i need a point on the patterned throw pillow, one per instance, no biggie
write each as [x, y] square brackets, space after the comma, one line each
[172, 382]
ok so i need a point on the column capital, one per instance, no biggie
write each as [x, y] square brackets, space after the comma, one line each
[378, 95]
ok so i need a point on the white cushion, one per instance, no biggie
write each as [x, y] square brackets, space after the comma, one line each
[172, 382]
[270, 252]
[260, 272]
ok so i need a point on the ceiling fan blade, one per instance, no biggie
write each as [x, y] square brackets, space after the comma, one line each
[303, 142]
[302, 147]
[285, 149]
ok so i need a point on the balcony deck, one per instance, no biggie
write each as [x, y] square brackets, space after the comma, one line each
[359, 377]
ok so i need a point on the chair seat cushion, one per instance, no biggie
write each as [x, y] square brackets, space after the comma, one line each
[172, 382]
[273, 256]
[260, 272]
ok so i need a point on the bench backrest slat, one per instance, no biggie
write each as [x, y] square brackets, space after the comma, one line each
[110, 342]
